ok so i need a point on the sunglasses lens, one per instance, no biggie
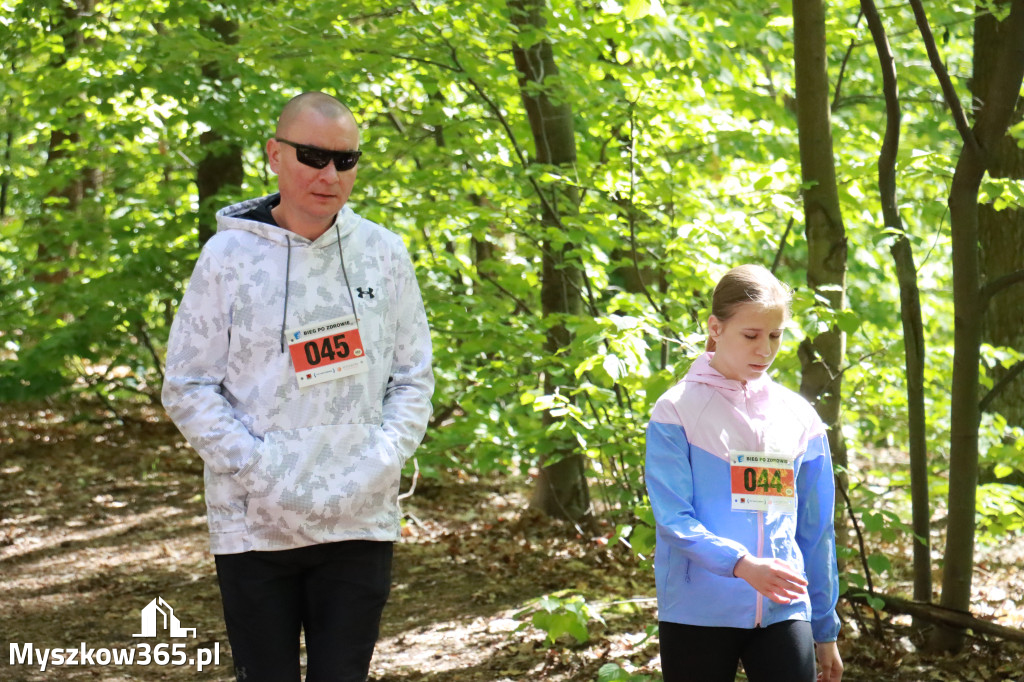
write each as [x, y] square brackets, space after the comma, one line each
[344, 161]
[317, 158]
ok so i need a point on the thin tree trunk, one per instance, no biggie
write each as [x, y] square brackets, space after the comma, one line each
[221, 165]
[821, 358]
[5, 182]
[57, 248]
[561, 488]
[910, 309]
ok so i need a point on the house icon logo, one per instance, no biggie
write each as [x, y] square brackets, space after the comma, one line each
[159, 614]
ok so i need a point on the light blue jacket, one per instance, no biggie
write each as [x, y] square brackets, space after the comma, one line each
[694, 427]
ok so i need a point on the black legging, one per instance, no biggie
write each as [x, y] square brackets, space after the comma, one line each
[334, 593]
[783, 652]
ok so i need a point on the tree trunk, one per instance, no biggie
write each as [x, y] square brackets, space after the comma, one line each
[993, 119]
[57, 248]
[910, 309]
[221, 165]
[5, 177]
[821, 358]
[1001, 231]
[561, 489]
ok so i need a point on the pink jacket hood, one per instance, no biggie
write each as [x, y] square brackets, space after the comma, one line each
[701, 372]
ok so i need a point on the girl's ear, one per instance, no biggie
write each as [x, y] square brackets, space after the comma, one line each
[714, 327]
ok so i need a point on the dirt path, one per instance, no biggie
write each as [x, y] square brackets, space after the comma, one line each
[96, 522]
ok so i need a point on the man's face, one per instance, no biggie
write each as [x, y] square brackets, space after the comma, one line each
[309, 195]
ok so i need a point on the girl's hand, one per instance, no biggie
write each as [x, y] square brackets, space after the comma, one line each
[830, 665]
[773, 578]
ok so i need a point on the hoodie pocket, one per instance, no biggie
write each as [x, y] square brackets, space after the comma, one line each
[322, 484]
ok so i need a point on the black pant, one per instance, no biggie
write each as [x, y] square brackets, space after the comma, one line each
[783, 652]
[334, 592]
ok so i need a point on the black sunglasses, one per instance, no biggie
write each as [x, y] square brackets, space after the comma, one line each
[318, 157]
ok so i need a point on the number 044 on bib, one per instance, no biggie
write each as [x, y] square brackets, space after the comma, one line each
[762, 481]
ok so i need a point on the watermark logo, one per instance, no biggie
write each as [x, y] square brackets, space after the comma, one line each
[159, 613]
[157, 619]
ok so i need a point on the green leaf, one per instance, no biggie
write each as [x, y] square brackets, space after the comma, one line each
[1002, 470]
[879, 563]
[848, 321]
[637, 9]
[873, 522]
[612, 672]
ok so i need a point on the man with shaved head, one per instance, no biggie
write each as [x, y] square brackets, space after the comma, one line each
[298, 367]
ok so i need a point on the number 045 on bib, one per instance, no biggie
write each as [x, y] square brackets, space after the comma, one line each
[325, 351]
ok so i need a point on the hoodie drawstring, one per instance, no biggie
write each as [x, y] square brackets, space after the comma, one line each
[344, 274]
[287, 272]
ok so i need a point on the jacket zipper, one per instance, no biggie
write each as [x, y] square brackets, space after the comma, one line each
[758, 615]
[759, 609]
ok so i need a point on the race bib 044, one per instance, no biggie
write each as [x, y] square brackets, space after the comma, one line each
[326, 351]
[762, 481]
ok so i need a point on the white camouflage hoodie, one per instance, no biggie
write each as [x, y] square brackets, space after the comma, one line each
[285, 466]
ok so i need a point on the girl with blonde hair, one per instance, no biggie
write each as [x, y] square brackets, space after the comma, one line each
[740, 480]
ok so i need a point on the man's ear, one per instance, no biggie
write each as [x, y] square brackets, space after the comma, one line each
[274, 155]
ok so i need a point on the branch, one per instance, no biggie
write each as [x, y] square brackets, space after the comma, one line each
[988, 475]
[941, 615]
[863, 553]
[1014, 372]
[996, 286]
[148, 342]
[948, 91]
[891, 140]
[782, 245]
[408, 58]
[842, 67]
[836, 376]
[521, 305]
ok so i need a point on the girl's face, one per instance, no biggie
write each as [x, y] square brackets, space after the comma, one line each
[746, 343]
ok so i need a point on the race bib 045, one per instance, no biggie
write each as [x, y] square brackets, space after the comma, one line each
[762, 481]
[326, 351]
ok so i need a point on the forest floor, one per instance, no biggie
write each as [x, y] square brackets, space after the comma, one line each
[98, 519]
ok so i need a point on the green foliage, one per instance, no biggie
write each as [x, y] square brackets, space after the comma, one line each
[612, 672]
[557, 615]
[687, 163]
[639, 536]
[1000, 510]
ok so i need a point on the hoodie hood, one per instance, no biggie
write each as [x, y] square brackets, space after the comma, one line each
[229, 218]
[701, 372]
[345, 223]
